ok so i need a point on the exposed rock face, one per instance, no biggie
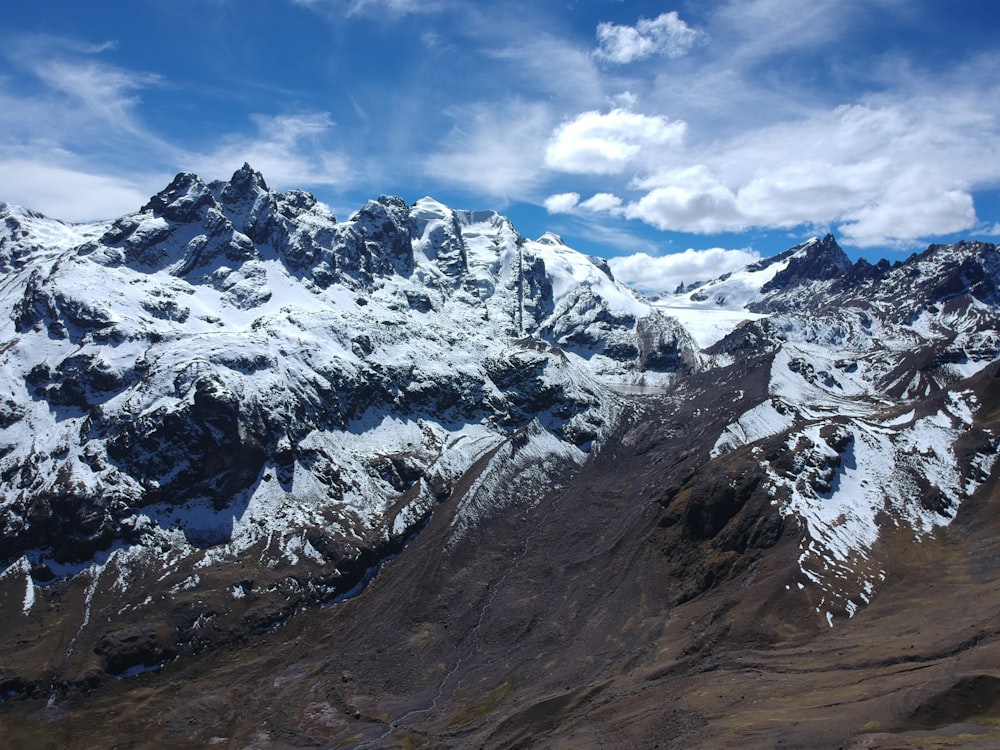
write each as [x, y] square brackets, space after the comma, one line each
[226, 410]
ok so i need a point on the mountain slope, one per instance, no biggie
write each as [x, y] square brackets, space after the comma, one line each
[585, 621]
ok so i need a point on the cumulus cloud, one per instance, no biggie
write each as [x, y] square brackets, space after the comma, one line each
[562, 203]
[909, 208]
[603, 203]
[665, 35]
[688, 200]
[607, 143]
[883, 174]
[885, 152]
[570, 203]
[663, 273]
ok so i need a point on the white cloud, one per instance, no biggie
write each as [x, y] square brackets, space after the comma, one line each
[570, 203]
[596, 143]
[782, 134]
[104, 91]
[883, 173]
[287, 149]
[665, 35]
[603, 203]
[688, 200]
[664, 273]
[562, 203]
[495, 149]
[73, 194]
[912, 206]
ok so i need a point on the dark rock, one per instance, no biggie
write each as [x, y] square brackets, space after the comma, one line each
[126, 648]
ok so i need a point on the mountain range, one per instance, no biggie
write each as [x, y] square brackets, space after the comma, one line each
[273, 479]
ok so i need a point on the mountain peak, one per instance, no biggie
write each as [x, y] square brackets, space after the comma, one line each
[430, 205]
[550, 238]
[815, 260]
[245, 183]
[183, 199]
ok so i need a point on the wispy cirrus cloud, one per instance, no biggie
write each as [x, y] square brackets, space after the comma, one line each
[106, 92]
[378, 8]
[66, 119]
[75, 93]
[543, 63]
[494, 147]
[78, 147]
[289, 150]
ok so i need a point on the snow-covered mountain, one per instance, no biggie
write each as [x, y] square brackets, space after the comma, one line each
[231, 373]
[868, 414]
[231, 407]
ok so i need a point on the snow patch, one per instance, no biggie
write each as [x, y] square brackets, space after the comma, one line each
[520, 472]
[881, 470]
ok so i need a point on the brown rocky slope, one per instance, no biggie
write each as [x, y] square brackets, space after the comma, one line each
[650, 603]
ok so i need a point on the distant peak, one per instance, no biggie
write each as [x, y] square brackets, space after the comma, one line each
[427, 202]
[183, 182]
[550, 238]
[827, 242]
[813, 260]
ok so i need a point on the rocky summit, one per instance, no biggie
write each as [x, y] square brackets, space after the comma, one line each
[273, 479]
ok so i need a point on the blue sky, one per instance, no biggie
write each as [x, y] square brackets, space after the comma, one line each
[679, 138]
